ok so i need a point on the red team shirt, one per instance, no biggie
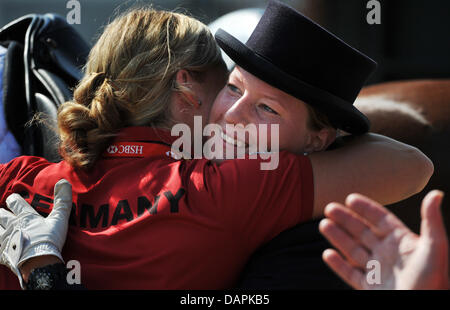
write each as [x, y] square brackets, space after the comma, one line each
[154, 222]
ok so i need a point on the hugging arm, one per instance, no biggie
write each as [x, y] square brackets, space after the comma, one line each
[374, 165]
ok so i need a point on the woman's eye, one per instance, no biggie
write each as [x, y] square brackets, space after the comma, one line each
[233, 88]
[266, 108]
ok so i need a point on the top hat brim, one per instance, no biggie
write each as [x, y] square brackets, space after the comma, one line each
[342, 114]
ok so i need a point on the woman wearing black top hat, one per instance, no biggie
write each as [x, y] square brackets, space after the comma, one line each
[289, 52]
[293, 54]
[267, 88]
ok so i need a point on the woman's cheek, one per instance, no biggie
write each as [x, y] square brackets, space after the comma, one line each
[268, 137]
[218, 109]
[291, 139]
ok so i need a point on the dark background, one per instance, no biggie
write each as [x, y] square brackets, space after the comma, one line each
[411, 42]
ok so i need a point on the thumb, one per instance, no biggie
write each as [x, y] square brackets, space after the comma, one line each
[62, 203]
[432, 225]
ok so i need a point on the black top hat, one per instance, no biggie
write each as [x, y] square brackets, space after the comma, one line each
[291, 52]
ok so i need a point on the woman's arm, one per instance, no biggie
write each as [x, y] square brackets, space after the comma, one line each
[374, 165]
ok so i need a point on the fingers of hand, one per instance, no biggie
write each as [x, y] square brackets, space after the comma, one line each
[63, 191]
[349, 221]
[6, 218]
[353, 276]
[2, 231]
[62, 201]
[432, 222]
[434, 198]
[356, 254]
[18, 205]
[378, 217]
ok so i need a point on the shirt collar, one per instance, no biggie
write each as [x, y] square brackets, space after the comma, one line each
[145, 134]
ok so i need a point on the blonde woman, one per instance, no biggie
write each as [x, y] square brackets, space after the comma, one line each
[146, 220]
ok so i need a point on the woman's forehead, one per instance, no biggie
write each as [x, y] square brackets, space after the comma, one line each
[259, 88]
[253, 82]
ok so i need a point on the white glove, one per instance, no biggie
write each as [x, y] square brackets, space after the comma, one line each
[25, 234]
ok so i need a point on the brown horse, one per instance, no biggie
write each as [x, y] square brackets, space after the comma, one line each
[415, 112]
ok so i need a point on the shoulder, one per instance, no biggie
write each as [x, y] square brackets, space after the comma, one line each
[260, 164]
[23, 168]
[23, 163]
[246, 179]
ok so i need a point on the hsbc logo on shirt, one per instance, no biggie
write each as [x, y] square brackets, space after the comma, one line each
[112, 149]
[125, 149]
[136, 149]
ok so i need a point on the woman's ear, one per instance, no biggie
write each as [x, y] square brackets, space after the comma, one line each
[321, 140]
[330, 135]
[185, 83]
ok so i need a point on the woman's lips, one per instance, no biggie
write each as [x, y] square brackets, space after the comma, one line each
[231, 140]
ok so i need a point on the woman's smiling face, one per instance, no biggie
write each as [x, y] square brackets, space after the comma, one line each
[248, 100]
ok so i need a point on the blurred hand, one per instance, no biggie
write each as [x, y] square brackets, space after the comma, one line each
[363, 230]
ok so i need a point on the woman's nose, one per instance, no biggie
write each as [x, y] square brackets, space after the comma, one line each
[239, 112]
